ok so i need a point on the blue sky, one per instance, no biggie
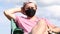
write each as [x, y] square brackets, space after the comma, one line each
[49, 9]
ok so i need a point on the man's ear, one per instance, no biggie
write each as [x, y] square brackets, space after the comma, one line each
[21, 7]
[36, 8]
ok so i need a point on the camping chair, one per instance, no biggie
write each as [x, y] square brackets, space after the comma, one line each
[15, 29]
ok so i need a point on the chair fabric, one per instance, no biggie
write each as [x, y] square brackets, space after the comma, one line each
[15, 29]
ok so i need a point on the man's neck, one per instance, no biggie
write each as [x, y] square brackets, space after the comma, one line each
[32, 18]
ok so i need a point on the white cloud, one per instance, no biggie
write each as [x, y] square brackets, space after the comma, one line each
[54, 10]
[49, 1]
[43, 2]
[16, 1]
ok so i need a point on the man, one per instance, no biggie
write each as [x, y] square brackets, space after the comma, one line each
[31, 21]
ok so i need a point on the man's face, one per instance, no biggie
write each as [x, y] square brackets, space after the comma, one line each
[30, 9]
[30, 5]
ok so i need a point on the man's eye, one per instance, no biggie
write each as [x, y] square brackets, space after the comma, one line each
[32, 7]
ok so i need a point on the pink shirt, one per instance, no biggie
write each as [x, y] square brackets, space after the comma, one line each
[26, 24]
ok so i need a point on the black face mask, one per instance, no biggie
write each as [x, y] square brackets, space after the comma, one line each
[30, 12]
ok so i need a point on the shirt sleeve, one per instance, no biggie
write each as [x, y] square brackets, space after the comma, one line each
[18, 21]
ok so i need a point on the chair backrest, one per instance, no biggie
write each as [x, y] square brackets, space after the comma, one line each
[15, 29]
[13, 25]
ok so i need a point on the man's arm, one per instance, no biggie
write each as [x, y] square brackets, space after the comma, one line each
[53, 28]
[10, 12]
